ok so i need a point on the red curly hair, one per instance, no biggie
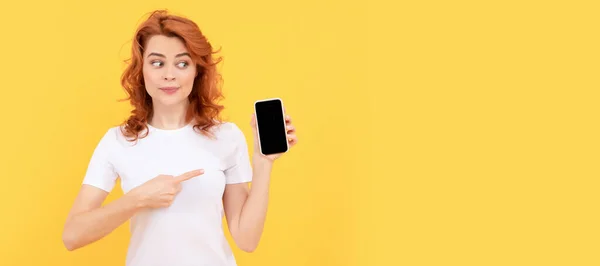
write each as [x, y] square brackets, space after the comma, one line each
[203, 108]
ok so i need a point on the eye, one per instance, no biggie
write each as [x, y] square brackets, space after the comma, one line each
[182, 64]
[156, 63]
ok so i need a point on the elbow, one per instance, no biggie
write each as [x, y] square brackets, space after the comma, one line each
[70, 241]
[246, 245]
[246, 240]
[248, 248]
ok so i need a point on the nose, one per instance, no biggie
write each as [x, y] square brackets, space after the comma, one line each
[168, 74]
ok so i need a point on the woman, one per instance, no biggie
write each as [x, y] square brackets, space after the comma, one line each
[181, 168]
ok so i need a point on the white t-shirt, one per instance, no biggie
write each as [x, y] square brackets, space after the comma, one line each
[190, 231]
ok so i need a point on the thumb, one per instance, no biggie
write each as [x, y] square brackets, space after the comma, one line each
[253, 124]
[253, 120]
[188, 175]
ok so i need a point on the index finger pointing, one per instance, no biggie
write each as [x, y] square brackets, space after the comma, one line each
[189, 175]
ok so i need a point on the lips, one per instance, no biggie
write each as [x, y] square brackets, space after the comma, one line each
[169, 90]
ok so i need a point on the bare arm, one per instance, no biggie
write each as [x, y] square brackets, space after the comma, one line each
[88, 222]
[246, 209]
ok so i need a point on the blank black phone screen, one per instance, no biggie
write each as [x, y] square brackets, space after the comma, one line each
[271, 126]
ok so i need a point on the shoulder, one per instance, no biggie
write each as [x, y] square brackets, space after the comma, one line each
[228, 130]
[113, 137]
[113, 133]
[228, 136]
[231, 143]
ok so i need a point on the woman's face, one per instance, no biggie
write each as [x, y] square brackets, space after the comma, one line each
[168, 70]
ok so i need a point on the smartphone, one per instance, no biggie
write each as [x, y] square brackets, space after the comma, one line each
[270, 126]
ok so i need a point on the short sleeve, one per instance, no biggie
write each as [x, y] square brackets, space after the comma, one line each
[100, 172]
[239, 169]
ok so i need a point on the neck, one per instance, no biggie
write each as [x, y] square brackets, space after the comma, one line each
[169, 117]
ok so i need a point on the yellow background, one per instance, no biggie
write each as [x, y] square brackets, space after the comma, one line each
[431, 132]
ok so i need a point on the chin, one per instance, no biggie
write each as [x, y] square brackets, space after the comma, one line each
[170, 101]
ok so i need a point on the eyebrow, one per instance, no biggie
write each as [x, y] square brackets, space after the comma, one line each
[161, 55]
